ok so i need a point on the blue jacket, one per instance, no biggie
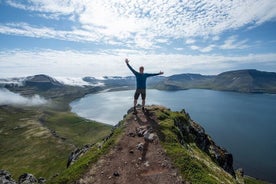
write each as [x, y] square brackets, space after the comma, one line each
[141, 78]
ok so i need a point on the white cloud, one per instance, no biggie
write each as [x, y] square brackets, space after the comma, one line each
[140, 23]
[179, 48]
[75, 81]
[194, 47]
[60, 7]
[24, 29]
[72, 63]
[216, 38]
[190, 41]
[9, 98]
[208, 48]
[233, 43]
[230, 43]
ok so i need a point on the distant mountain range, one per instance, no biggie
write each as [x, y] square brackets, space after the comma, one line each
[249, 81]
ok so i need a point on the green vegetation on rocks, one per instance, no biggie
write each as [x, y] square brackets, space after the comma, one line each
[195, 165]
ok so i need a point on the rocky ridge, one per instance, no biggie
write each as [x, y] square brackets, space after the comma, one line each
[141, 153]
[138, 157]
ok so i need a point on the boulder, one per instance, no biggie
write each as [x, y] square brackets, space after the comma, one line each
[149, 137]
[78, 152]
[5, 178]
[27, 178]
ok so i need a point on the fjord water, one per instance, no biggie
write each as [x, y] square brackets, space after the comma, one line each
[244, 124]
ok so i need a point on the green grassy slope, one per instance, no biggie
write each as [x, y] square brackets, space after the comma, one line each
[194, 165]
[39, 142]
[81, 166]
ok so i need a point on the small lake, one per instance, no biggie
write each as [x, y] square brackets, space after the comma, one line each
[244, 124]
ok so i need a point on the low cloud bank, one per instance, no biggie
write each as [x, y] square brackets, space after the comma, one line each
[9, 98]
[76, 81]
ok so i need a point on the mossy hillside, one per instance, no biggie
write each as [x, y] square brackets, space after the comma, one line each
[82, 165]
[194, 165]
[74, 129]
[28, 144]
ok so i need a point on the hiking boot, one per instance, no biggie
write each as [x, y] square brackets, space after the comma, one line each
[143, 109]
[134, 111]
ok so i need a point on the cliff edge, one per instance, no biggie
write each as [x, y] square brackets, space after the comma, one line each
[153, 146]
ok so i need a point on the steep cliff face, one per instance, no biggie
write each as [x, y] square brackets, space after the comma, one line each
[193, 132]
[193, 151]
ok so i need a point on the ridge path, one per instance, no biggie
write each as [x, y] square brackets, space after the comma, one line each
[138, 157]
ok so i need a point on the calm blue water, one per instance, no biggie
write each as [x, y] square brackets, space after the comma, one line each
[244, 124]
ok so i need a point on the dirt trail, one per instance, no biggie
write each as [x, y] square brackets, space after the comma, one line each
[135, 159]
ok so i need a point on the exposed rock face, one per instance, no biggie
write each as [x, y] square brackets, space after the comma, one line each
[193, 132]
[26, 178]
[78, 152]
[5, 178]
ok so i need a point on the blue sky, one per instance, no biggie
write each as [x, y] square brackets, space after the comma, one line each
[73, 38]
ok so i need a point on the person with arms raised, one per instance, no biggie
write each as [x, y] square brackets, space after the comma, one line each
[141, 79]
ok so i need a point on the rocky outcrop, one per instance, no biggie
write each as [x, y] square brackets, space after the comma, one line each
[26, 178]
[193, 132]
[76, 154]
[5, 177]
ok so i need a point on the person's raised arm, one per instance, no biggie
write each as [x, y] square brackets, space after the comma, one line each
[127, 62]
[154, 74]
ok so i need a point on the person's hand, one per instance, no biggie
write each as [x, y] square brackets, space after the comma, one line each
[161, 73]
[127, 61]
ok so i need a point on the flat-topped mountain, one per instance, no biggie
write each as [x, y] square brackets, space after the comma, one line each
[246, 81]
[251, 81]
[42, 82]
